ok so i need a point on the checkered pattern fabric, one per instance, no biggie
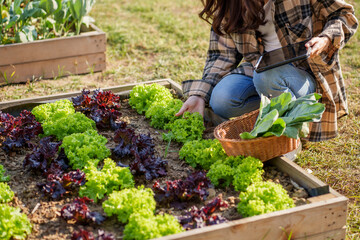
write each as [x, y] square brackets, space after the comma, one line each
[295, 21]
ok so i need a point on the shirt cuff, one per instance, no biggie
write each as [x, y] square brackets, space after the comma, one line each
[197, 88]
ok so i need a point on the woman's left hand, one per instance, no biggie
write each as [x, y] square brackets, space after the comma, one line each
[318, 45]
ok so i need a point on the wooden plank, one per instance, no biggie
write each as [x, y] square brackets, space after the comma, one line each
[176, 86]
[84, 44]
[337, 234]
[53, 68]
[321, 198]
[303, 222]
[43, 99]
[312, 184]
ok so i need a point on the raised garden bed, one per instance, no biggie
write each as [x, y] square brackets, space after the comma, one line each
[320, 212]
[51, 58]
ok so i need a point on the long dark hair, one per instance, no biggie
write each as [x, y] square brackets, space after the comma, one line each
[233, 15]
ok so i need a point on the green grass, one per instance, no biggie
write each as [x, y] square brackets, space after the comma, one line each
[152, 39]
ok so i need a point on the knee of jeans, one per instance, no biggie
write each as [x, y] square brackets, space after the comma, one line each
[220, 103]
[261, 82]
[217, 101]
[266, 82]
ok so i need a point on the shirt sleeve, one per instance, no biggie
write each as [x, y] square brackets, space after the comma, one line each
[340, 21]
[222, 58]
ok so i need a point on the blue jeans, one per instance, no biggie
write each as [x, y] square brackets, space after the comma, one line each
[237, 94]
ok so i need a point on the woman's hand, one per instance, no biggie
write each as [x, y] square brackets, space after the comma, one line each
[192, 104]
[318, 45]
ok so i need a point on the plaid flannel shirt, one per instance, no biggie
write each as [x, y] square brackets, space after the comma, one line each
[295, 21]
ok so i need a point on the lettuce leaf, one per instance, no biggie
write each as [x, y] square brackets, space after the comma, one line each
[283, 116]
[13, 223]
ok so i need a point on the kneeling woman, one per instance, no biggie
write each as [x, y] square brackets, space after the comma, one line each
[241, 30]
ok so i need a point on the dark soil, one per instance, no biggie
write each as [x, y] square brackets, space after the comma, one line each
[44, 213]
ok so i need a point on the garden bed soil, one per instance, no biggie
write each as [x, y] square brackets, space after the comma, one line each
[44, 213]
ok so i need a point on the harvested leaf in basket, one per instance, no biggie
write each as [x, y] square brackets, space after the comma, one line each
[284, 116]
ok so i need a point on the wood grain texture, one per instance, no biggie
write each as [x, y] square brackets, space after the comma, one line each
[320, 220]
[312, 184]
[53, 68]
[50, 58]
[48, 49]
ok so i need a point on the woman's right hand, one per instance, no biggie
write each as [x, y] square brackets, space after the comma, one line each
[192, 104]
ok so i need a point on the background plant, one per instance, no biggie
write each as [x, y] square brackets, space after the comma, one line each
[27, 21]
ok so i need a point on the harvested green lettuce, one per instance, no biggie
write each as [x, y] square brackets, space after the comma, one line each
[283, 116]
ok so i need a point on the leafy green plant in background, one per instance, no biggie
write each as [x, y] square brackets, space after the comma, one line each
[27, 21]
[79, 10]
[283, 116]
[13, 223]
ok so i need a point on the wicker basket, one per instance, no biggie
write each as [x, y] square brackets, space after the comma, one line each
[263, 148]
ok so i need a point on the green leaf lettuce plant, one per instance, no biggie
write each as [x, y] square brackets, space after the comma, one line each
[6, 194]
[13, 223]
[3, 178]
[203, 152]
[143, 96]
[263, 197]
[127, 201]
[145, 225]
[105, 181]
[85, 149]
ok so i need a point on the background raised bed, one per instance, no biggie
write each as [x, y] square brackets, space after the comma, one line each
[53, 58]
